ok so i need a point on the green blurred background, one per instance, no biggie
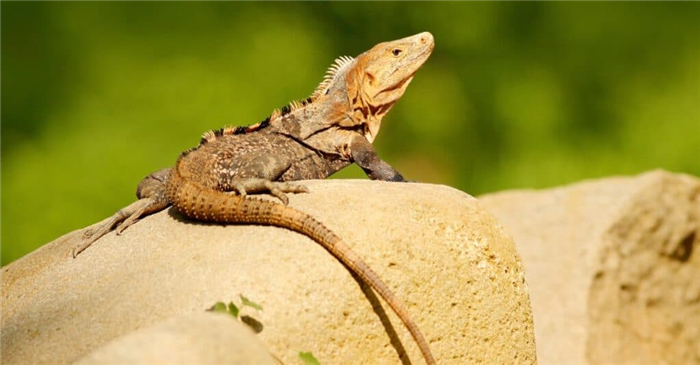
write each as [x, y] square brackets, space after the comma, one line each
[516, 95]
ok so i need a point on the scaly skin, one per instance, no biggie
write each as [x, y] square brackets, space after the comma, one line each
[311, 139]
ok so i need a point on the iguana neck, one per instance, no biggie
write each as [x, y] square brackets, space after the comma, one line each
[344, 105]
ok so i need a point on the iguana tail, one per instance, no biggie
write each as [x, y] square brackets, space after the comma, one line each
[201, 203]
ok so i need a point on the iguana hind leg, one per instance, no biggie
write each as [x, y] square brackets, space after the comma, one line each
[151, 205]
[258, 173]
[122, 219]
[151, 192]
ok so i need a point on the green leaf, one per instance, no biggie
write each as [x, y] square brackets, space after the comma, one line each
[248, 302]
[233, 310]
[308, 359]
[218, 307]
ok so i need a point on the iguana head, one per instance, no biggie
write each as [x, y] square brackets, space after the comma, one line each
[384, 72]
[380, 76]
[357, 92]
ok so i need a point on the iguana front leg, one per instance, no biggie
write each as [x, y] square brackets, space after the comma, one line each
[152, 198]
[364, 155]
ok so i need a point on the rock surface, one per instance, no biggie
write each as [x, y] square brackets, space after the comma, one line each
[613, 267]
[446, 257]
[202, 338]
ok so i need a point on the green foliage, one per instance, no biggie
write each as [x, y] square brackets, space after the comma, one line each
[247, 302]
[308, 358]
[220, 307]
[232, 308]
[235, 311]
[96, 95]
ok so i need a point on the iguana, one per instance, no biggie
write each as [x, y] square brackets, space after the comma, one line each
[308, 139]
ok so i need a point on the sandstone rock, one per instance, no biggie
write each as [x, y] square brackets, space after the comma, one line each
[446, 257]
[613, 268]
[202, 338]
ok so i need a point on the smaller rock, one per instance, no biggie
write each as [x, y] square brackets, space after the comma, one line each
[203, 338]
[612, 266]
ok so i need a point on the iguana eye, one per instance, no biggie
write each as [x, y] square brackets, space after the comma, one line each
[396, 52]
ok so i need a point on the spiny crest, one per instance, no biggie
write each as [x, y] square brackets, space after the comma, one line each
[292, 106]
[338, 65]
[253, 127]
[210, 136]
[188, 151]
[275, 114]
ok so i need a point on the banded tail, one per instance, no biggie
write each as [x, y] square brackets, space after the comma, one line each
[198, 202]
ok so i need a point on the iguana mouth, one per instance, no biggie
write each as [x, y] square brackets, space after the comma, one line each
[404, 82]
[399, 85]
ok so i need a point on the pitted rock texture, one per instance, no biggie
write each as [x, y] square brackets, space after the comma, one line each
[444, 255]
[613, 267]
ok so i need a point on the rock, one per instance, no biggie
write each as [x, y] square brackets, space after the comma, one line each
[446, 257]
[613, 268]
[202, 338]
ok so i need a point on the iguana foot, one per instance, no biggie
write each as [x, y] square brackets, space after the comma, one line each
[124, 218]
[274, 188]
[152, 205]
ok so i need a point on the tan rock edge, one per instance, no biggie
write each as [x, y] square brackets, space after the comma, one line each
[201, 338]
[613, 267]
[446, 257]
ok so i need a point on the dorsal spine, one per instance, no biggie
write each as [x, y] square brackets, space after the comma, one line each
[336, 68]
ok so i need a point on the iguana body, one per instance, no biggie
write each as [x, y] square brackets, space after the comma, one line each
[311, 139]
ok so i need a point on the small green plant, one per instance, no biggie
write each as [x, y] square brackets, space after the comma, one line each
[221, 307]
[232, 308]
[247, 302]
[308, 358]
[235, 311]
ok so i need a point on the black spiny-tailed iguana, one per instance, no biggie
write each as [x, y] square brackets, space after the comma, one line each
[308, 139]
